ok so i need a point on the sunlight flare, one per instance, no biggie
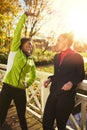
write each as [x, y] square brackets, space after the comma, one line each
[77, 22]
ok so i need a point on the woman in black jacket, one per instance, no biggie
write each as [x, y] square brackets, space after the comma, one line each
[68, 72]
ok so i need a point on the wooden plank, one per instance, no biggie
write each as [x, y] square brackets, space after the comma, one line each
[12, 122]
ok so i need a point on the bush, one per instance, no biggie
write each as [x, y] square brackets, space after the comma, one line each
[3, 58]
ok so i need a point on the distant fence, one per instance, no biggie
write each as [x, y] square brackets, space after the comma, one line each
[37, 96]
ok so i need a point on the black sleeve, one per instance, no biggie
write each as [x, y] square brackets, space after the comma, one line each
[79, 69]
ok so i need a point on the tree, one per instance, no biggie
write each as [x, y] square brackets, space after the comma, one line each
[41, 9]
[8, 10]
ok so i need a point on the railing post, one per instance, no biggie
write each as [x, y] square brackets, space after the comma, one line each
[83, 114]
[44, 95]
[83, 99]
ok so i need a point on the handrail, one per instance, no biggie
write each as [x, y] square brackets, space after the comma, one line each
[83, 85]
[3, 66]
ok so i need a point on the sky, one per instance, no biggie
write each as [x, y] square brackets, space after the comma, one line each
[68, 15]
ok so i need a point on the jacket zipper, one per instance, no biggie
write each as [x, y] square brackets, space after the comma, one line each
[21, 72]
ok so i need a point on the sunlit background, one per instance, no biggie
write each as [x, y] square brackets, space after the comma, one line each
[70, 15]
[67, 15]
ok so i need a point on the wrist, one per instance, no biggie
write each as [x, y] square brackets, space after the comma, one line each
[26, 13]
[49, 79]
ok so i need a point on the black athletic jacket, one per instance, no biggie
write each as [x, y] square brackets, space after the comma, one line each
[71, 69]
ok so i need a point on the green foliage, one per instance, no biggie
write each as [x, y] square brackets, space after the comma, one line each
[49, 68]
[84, 54]
[3, 58]
[40, 56]
[8, 10]
[7, 6]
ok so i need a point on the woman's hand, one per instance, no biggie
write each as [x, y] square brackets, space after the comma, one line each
[30, 14]
[47, 82]
[67, 86]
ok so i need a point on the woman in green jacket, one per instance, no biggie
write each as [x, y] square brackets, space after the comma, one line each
[20, 74]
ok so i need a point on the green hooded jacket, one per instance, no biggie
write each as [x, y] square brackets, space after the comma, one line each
[19, 67]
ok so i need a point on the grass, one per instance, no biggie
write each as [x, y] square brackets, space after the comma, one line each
[48, 68]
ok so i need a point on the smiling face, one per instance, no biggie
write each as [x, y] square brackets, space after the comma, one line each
[27, 48]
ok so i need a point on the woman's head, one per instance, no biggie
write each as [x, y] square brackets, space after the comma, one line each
[27, 46]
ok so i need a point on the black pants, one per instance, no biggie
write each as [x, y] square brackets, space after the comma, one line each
[57, 107]
[8, 94]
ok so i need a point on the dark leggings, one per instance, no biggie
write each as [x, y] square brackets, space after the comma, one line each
[8, 94]
[57, 107]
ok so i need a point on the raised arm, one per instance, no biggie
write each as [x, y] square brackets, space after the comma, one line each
[17, 34]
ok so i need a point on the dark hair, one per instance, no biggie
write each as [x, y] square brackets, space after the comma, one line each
[23, 40]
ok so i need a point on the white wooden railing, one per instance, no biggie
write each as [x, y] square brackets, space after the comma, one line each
[37, 96]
